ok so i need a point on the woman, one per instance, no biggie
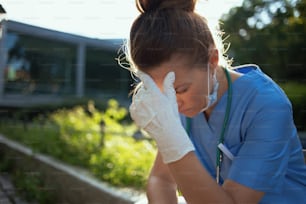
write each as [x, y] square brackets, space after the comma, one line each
[223, 135]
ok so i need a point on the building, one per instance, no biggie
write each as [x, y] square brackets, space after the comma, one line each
[39, 66]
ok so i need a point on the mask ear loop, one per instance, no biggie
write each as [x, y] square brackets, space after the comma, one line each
[208, 84]
[208, 97]
[212, 96]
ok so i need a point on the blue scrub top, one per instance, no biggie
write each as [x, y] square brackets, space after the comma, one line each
[261, 135]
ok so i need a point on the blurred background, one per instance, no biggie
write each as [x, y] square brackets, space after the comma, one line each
[59, 49]
[62, 92]
[56, 51]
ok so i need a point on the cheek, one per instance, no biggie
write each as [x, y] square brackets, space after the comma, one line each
[192, 104]
[195, 98]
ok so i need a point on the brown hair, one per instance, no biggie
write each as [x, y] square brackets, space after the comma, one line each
[165, 28]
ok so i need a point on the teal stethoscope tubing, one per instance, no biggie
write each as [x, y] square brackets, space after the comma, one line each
[219, 153]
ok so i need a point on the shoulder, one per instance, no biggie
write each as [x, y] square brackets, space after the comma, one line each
[246, 68]
[261, 89]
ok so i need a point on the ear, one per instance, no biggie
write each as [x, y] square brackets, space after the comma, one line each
[214, 57]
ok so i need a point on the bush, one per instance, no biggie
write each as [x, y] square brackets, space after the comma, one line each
[101, 141]
[123, 161]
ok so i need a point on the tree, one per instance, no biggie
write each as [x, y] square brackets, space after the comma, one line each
[270, 33]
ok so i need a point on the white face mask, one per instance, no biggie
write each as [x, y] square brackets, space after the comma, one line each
[212, 97]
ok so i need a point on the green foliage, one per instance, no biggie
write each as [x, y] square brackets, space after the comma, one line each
[29, 185]
[41, 138]
[270, 34]
[296, 92]
[124, 161]
[79, 131]
[32, 187]
[101, 141]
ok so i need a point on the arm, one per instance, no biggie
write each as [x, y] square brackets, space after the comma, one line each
[199, 187]
[195, 183]
[161, 187]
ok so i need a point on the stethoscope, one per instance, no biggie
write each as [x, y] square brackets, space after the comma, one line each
[220, 146]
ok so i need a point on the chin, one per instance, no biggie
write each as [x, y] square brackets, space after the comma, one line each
[189, 113]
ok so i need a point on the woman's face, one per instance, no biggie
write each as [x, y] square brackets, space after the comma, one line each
[190, 84]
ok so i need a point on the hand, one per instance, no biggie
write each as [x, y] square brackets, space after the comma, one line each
[157, 113]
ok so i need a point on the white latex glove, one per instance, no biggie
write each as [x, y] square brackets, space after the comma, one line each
[157, 113]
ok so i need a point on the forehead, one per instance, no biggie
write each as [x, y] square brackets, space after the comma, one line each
[176, 63]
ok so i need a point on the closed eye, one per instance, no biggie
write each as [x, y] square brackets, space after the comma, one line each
[181, 89]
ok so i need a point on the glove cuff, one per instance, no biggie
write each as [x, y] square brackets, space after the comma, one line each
[177, 151]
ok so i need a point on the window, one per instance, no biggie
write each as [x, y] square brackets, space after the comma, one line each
[39, 66]
[104, 77]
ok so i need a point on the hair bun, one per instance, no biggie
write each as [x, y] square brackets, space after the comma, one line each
[154, 5]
